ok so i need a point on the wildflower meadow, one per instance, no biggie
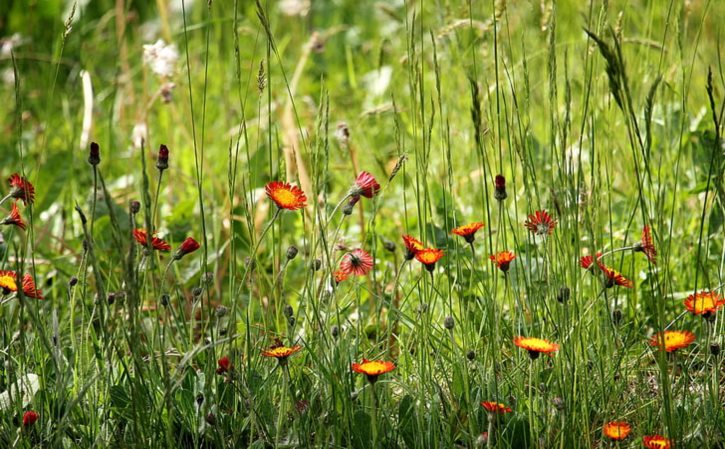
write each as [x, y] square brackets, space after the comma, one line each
[362, 224]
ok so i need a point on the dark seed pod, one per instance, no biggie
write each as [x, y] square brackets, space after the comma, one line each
[94, 155]
[292, 252]
[715, 349]
[316, 265]
[564, 294]
[288, 310]
[196, 291]
[389, 245]
[335, 331]
[134, 206]
[449, 323]
[164, 300]
[73, 281]
[471, 355]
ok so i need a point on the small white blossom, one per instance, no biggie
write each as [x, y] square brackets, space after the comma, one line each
[294, 7]
[161, 58]
[139, 135]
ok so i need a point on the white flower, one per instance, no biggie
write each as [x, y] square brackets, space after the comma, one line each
[294, 7]
[161, 58]
[139, 135]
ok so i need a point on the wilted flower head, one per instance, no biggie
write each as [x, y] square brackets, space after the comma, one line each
[161, 58]
[540, 223]
[21, 189]
[156, 243]
[365, 185]
[357, 262]
[14, 218]
[29, 289]
[647, 246]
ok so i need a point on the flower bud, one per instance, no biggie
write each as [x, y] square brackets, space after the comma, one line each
[500, 192]
[288, 311]
[162, 161]
[471, 355]
[94, 156]
[134, 206]
[449, 322]
[292, 252]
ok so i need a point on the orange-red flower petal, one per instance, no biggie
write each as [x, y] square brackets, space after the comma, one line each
[656, 442]
[704, 303]
[540, 223]
[495, 407]
[14, 218]
[156, 243]
[468, 231]
[21, 189]
[285, 195]
[536, 345]
[373, 368]
[673, 340]
[503, 259]
[616, 430]
[281, 352]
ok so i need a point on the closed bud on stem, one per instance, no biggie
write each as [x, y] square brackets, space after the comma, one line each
[162, 161]
[94, 156]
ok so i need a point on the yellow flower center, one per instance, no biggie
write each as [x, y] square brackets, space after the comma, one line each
[8, 283]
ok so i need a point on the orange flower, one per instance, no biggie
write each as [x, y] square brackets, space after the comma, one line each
[428, 257]
[495, 407]
[188, 246]
[285, 195]
[29, 289]
[340, 276]
[587, 262]
[613, 277]
[224, 365]
[704, 303]
[281, 352]
[503, 260]
[647, 246]
[468, 231]
[357, 262]
[373, 368]
[540, 223]
[8, 282]
[616, 430]
[412, 245]
[21, 189]
[156, 243]
[656, 442]
[536, 346]
[674, 340]
[14, 218]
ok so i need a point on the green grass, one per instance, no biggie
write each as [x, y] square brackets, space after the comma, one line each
[601, 113]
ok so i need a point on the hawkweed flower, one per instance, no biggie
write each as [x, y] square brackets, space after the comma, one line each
[656, 442]
[500, 192]
[281, 352]
[704, 303]
[357, 262]
[587, 262]
[29, 289]
[671, 341]
[468, 231]
[616, 430]
[495, 407]
[339, 276]
[94, 154]
[647, 246]
[285, 195]
[8, 282]
[188, 246]
[21, 189]
[503, 260]
[540, 223]
[224, 365]
[29, 418]
[428, 257]
[412, 246]
[156, 243]
[373, 368]
[162, 160]
[365, 185]
[536, 346]
[14, 218]
[613, 277]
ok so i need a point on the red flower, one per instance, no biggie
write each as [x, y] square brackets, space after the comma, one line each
[540, 223]
[357, 262]
[500, 192]
[340, 276]
[612, 277]
[656, 442]
[468, 231]
[156, 243]
[503, 260]
[162, 161]
[495, 407]
[29, 289]
[365, 185]
[412, 245]
[285, 195]
[29, 418]
[428, 257]
[188, 246]
[588, 261]
[225, 365]
[14, 218]
[647, 246]
[22, 189]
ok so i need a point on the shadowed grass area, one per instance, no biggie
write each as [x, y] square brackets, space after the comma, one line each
[318, 153]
